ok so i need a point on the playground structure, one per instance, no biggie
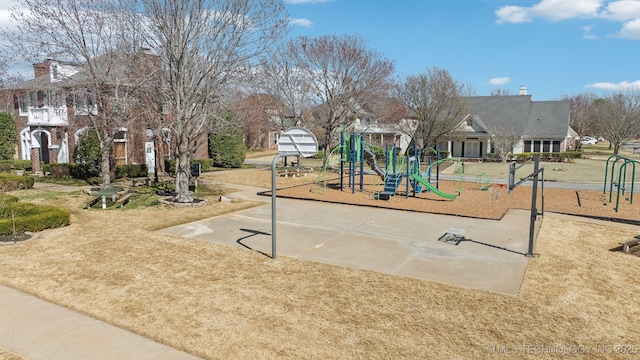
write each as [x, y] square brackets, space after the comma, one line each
[391, 170]
[620, 182]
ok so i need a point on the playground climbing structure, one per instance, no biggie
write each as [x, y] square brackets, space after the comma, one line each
[354, 158]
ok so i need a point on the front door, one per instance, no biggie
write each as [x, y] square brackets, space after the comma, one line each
[150, 156]
[472, 149]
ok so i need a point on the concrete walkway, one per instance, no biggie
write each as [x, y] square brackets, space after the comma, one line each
[37, 329]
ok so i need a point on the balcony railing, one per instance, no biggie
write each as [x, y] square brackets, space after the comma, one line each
[48, 117]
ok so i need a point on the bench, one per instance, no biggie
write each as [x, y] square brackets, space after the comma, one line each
[124, 200]
[629, 243]
[93, 202]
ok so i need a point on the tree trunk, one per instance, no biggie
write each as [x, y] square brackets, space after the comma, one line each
[105, 160]
[183, 171]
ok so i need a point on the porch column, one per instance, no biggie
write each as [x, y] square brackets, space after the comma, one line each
[53, 146]
[35, 159]
[53, 154]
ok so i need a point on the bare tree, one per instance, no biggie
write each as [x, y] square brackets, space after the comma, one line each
[500, 92]
[344, 76]
[436, 101]
[503, 139]
[203, 45]
[257, 116]
[617, 116]
[102, 39]
[6, 78]
[280, 78]
[579, 118]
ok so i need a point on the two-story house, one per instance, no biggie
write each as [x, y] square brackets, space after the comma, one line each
[55, 108]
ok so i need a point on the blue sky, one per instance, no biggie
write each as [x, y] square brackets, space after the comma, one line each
[553, 47]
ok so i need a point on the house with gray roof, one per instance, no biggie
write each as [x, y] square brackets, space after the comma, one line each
[541, 126]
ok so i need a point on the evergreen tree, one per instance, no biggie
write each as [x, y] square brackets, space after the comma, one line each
[226, 148]
[8, 136]
[86, 155]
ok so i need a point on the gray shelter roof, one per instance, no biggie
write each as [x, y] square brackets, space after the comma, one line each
[531, 119]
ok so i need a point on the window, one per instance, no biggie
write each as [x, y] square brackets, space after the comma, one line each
[84, 103]
[23, 104]
[53, 99]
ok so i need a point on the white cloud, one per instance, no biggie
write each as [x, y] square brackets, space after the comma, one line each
[630, 30]
[301, 22]
[554, 10]
[626, 12]
[587, 32]
[624, 85]
[622, 10]
[499, 81]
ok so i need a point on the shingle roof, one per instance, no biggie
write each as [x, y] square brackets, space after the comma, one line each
[533, 119]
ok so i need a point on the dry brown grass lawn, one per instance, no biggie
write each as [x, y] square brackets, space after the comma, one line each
[219, 302]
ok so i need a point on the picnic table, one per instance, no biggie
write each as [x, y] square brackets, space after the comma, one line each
[110, 191]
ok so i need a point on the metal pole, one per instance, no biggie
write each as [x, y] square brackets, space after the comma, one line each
[361, 159]
[534, 211]
[341, 161]
[273, 202]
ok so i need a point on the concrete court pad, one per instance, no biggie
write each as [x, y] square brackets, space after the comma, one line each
[489, 256]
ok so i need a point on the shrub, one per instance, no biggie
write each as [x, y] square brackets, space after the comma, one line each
[22, 164]
[10, 182]
[5, 166]
[227, 148]
[60, 171]
[318, 155]
[132, 170]
[170, 166]
[205, 164]
[8, 136]
[31, 217]
[547, 156]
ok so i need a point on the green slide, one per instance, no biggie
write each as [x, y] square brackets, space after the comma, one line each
[432, 188]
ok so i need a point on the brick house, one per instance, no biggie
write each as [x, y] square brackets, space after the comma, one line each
[54, 109]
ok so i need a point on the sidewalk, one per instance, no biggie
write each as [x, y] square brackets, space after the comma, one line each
[37, 329]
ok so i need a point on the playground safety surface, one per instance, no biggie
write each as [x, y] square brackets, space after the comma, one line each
[492, 203]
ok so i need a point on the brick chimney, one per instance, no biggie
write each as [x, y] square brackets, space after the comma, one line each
[42, 68]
